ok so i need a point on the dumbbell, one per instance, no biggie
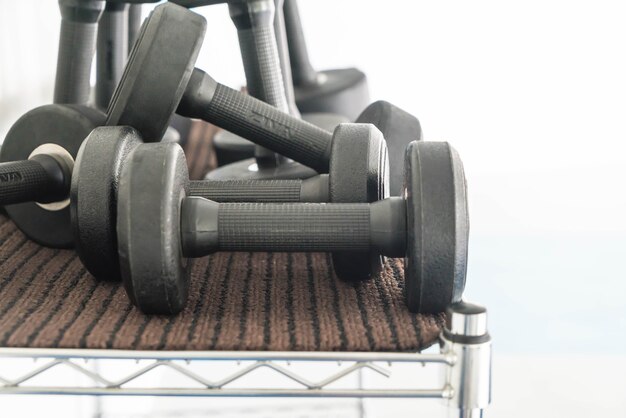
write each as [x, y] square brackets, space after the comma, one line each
[77, 45]
[149, 93]
[159, 227]
[358, 173]
[255, 23]
[342, 91]
[37, 192]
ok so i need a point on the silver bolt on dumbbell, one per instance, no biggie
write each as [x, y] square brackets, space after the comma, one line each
[159, 227]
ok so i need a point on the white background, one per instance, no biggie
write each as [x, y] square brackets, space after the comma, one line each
[533, 96]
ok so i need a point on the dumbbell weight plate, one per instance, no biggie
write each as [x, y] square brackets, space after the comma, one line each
[156, 252]
[67, 126]
[151, 85]
[399, 129]
[93, 199]
[437, 224]
[358, 175]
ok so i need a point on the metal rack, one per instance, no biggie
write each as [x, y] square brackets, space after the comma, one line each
[464, 360]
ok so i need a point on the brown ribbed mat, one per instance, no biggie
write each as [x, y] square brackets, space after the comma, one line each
[238, 301]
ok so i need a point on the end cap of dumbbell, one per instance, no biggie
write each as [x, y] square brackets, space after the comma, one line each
[358, 174]
[153, 184]
[94, 194]
[151, 88]
[437, 226]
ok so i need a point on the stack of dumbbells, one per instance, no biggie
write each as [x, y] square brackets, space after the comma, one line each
[108, 176]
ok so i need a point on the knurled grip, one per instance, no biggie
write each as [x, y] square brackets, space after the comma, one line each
[293, 227]
[269, 127]
[247, 190]
[27, 181]
[255, 29]
[77, 44]
[262, 66]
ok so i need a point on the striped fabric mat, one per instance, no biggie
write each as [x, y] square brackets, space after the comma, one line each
[238, 301]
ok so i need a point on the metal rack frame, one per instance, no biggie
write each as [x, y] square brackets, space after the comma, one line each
[464, 360]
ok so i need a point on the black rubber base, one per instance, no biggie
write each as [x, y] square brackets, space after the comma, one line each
[342, 91]
[154, 271]
[151, 85]
[437, 226]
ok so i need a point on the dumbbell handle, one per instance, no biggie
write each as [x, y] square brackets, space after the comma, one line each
[257, 121]
[302, 71]
[314, 189]
[41, 179]
[255, 28]
[208, 226]
[77, 44]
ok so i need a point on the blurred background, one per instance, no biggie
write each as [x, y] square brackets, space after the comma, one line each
[533, 96]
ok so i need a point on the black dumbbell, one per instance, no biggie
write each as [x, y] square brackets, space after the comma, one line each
[159, 227]
[358, 174]
[37, 192]
[231, 149]
[255, 21]
[77, 45]
[149, 93]
[342, 91]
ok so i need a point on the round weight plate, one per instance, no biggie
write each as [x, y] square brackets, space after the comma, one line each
[63, 125]
[437, 226]
[357, 174]
[342, 91]
[399, 129]
[152, 186]
[94, 197]
[158, 70]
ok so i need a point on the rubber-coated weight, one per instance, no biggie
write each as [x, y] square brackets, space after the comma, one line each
[351, 164]
[65, 126]
[156, 76]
